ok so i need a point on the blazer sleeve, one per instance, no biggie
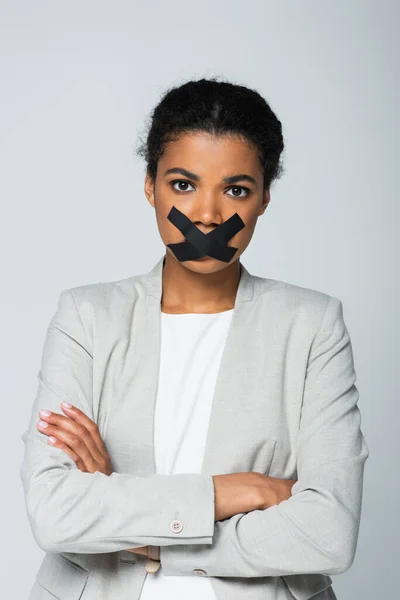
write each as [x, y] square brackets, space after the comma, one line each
[69, 510]
[316, 529]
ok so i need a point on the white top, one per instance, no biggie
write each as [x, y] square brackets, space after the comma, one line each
[191, 351]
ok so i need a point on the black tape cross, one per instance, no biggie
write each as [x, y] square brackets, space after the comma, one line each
[199, 244]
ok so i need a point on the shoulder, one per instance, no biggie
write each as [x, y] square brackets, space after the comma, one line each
[104, 293]
[102, 301]
[295, 301]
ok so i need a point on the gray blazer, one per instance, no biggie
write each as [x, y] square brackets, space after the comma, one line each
[285, 404]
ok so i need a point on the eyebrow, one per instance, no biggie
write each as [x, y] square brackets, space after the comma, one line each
[232, 179]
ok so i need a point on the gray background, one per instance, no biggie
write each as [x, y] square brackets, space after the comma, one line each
[78, 80]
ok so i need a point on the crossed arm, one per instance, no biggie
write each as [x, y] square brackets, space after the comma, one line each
[314, 531]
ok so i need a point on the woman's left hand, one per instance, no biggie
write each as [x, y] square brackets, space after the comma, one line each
[78, 436]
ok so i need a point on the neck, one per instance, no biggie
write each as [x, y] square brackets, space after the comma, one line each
[185, 291]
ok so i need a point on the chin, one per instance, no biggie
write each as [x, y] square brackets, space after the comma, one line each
[205, 265]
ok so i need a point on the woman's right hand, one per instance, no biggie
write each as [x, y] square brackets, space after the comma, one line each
[243, 492]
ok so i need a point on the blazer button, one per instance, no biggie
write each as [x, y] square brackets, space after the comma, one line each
[199, 572]
[176, 526]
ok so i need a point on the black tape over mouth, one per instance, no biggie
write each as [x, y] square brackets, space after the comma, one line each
[199, 244]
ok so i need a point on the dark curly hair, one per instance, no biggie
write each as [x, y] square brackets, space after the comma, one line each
[219, 108]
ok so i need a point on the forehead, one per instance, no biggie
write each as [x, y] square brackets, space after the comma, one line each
[203, 152]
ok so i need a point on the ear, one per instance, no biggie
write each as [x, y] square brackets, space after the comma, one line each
[149, 189]
[265, 202]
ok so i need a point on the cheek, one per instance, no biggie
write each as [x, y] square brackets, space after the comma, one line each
[165, 228]
[168, 232]
[245, 234]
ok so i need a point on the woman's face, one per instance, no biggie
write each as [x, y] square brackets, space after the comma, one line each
[206, 199]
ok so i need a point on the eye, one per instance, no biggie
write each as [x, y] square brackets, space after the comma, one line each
[180, 181]
[183, 182]
[240, 187]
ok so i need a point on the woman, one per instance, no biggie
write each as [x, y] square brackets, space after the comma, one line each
[211, 426]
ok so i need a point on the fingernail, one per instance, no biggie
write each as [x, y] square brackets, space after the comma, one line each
[45, 413]
[52, 439]
[43, 424]
[66, 405]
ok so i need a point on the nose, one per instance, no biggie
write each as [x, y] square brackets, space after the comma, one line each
[206, 213]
